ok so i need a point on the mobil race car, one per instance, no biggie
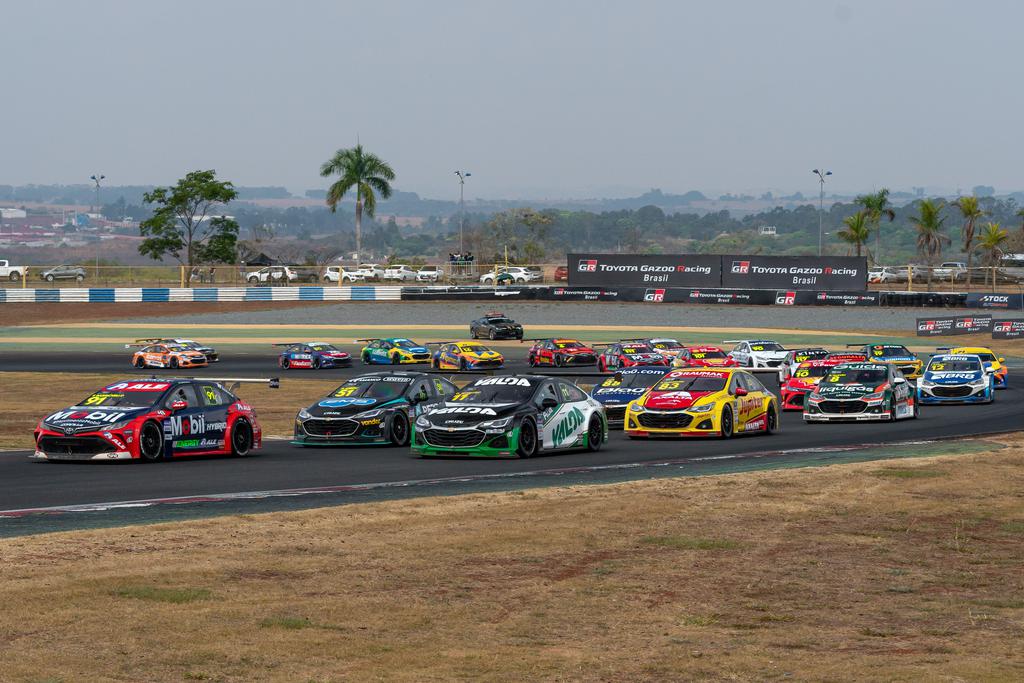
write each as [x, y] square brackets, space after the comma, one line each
[703, 402]
[393, 351]
[377, 407]
[801, 382]
[703, 357]
[313, 355]
[520, 415]
[465, 356]
[666, 346]
[628, 354]
[560, 353]
[797, 356]
[495, 326]
[757, 353]
[897, 354]
[956, 378]
[166, 355]
[190, 344]
[855, 392]
[152, 419]
[992, 362]
[624, 386]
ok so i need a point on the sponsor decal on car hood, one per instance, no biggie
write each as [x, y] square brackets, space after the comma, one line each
[673, 400]
[618, 394]
[468, 414]
[953, 377]
[82, 418]
[841, 391]
[338, 407]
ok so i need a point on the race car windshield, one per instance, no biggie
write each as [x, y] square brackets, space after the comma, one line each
[640, 348]
[569, 345]
[810, 354]
[883, 351]
[372, 388]
[404, 343]
[986, 357]
[871, 377]
[641, 380]
[667, 344]
[954, 366]
[495, 393]
[803, 373]
[707, 355]
[500, 321]
[175, 347]
[123, 399]
[323, 347]
[766, 346]
[474, 348]
[692, 384]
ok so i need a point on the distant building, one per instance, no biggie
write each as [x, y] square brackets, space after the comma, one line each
[768, 230]
[12, 213]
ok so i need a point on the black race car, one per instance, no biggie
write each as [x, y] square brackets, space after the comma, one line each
[495, 326]
[373, 408]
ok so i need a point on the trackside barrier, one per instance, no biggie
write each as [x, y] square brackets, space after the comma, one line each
[166, 294]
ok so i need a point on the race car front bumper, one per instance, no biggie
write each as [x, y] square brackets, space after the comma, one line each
[317, 431]
[670, 424]
[956, 393]
[794, 399]
[469, 442]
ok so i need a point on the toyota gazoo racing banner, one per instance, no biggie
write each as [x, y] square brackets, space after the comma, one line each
[936, 326]
[1008, 328]
[819, 273]
[972, 324]
[750, 297]
[642, 270]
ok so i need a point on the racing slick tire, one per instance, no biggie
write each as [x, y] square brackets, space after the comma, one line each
[398, 432]
[364, 359]
[285, 363]
[151, 442]
[395, 360]
[771, 420]
[917, 409]
[241, 438]
[559, 360]
[601, 365]
[492, 335]
[140, 362]
[527, 447]
[173, 363]
[435, 363]
[728, 425]
[49, 278]
[892, 410]
[595, 434]
[462, 364]
[472, 332]
[531, 360]
[316, 363]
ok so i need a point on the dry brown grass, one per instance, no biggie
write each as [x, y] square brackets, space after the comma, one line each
[815, 574]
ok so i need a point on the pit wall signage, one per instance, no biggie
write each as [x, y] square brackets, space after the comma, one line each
[946, 326]
[1008, 328]
[640, 270]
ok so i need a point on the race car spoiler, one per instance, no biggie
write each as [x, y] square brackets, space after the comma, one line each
[232, 382]
[437, 343]
[286, 343]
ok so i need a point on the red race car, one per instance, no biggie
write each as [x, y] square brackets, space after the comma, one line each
[629, 354]
[847, 356]
[704, 357]
[152, 420]
[560, 353]
[803, 381]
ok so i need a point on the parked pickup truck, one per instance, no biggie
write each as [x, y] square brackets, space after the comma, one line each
[12, 273]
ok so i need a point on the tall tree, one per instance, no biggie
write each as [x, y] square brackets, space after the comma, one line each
[991, 241]
[367, 173]
[970, 211]
[928, 222]
[857, 230]
[876, 206]
[184, 224]
[1020, 215]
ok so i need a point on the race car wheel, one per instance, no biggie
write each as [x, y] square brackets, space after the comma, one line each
[462, 364]
[917, 409]
[771, 420]
[435, 363]
[140, 362]
[472, 332]
[395, 359]
[151, 442]
[365, 358]
[241, 438]
[750, 362]
[727, 423]
[595, 434]
[531, 360]
[173, 363]
[316, 363]
[399, 432]
[602, 366]
[492, 335]
[892, 410]
[285, 363]
[559, 360]
[527, 439]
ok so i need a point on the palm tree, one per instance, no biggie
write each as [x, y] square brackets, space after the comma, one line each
[876, 205]
[857, 230]
[928, 221]
[990, 242]
[971, 212]
[1020, 215]
[367, 173]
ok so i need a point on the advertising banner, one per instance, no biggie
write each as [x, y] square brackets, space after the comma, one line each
[1013, 302]
[973, 324]
[1007, 328]
[825, 273]
[809, 298]
[936, 327]
[748, 297]
[642, 270]
[590, 294]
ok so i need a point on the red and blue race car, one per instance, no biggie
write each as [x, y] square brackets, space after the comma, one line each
[314, 355]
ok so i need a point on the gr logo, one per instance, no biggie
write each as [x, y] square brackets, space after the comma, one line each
[587, 266]
[926, 325]
[1002, 327]
[785, 298]
[740, 267]
[655, 295]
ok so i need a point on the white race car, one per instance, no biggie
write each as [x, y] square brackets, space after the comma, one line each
[797, 356]
[757, 353]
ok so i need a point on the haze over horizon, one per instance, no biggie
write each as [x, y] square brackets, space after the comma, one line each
[545, 100]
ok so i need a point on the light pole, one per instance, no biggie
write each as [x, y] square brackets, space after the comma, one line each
[462, 206]
[821, 203]
[96, 178]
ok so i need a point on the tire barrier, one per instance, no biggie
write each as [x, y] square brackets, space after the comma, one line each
[204, 294]
[924, 299]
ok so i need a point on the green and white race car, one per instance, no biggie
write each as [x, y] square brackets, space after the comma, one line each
[858, 392]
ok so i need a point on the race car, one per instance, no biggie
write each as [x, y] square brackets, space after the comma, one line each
[703, 402]
[997, 364]
[624, 386]
[166, 355]
[703, 356]
[856, 392]
[495, 326]
[190, 344]
[152, 419]
[628, 354]
[896, 354]
[956, 378]
[521, 415]
[373, 408]
[797, 356]
[805, 377]
[665, 345]
[465, 356]
[757, 353]
[560, 353]
[847, 356]
[314, 355]
[393, 351]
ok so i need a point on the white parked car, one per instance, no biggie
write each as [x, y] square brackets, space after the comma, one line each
[519, 274]
[370, 271]
[271, 274]
[399, 271]
[430, 274]
[950, 270]
[10, 272]
[331, 275]
[757, 353]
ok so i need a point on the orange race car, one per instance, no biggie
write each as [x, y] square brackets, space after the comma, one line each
[166, 356]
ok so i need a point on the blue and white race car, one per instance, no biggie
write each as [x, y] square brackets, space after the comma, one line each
[626, 385]
[956, 379]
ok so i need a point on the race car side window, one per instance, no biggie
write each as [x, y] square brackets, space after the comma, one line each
[443, 388]
[570, 393]
[734, 382]
[211, 395]
[546, 391]
[182, 392]
[752, 383]
[421, 389]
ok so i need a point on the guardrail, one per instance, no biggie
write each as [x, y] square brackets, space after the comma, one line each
[199, 294]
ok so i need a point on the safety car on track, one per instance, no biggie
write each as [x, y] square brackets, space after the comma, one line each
[855, 392]
[797, 356]
[152, 419]
[495, 326]
[796, 387]
[509, 415]
[628, 354]
[896, 354]
[956, 378]
[191, 344]
[377, 407]
[703, 357]
[166, 355]
[465, 356]
[560, 353]
[615, 392]
[703, 402]
[757, 353]
[312, 355]
[993, 362]
[393, 351]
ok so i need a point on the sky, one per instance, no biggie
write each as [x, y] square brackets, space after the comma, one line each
[537, 99]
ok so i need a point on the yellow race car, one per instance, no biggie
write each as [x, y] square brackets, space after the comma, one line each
[895, 354]
[990, 360]
[703, 402]
[465, 356]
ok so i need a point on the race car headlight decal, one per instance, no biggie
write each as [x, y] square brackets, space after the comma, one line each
[304, 414]
[636, 407]
[368, 414]
[422, 422]
[814, 398]
[927, 383]
[876, 397]
[980, 382]
[707, 407]
[496, 424]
